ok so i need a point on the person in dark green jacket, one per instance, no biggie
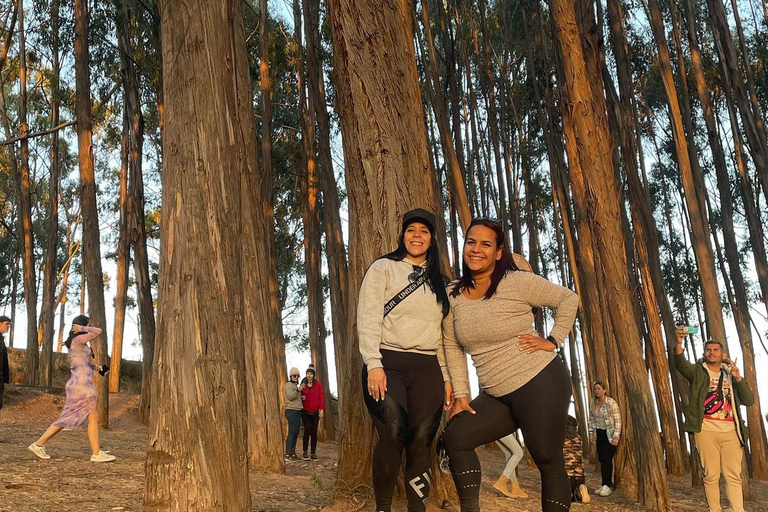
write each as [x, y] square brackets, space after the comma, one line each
[713, 415]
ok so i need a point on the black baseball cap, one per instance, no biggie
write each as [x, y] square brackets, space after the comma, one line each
[4, 319]
[419, 214]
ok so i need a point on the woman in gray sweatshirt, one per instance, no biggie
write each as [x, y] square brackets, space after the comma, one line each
[292, 412]
[402, 303]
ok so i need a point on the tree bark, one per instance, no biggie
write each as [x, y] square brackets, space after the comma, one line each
[394, 154]
[25, 217]
[591, 132]
[123, 248]
[693, 185]
[310, 192]
[647, 244]
[208, 302]
[48, 306]
[91, 234]
[757, 439]
[454, 170]
[266, 200]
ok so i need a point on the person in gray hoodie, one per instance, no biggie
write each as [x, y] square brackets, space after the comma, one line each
[293, 412]
[401, 306]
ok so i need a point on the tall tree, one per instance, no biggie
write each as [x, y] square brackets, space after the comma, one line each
[91, 234]
[265, 192]
[376, 54]
[336, 252]
[197, 453]
[310, 192]
[646, 244]
[591, 131]
[693, 184]
[123, 247]
[741, 311]
[25, 214]
[48, 306]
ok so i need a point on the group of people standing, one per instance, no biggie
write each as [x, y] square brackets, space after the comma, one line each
[415, 330]
[304, 402]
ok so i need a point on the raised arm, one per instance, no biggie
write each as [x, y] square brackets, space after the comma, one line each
[542, 293]
[86, 334]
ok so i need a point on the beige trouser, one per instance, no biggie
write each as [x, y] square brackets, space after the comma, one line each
[721, 451]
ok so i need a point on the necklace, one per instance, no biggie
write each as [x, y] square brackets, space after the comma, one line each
[475, 281]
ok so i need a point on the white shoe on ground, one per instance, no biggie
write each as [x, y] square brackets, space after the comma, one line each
[39, 451]
[102, 456]
[599, 490]
[607, 491]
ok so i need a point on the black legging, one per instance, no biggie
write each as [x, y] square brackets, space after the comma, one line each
[311, 420]
[540, 410]
[407, 418]
[605, 453]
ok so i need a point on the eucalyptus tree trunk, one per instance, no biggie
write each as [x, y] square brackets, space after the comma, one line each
[591, 132]
[90, 214]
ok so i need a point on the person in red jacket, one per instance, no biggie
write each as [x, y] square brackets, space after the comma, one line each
[313, 406]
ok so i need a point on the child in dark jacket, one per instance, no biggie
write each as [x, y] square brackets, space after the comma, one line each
[574, 461]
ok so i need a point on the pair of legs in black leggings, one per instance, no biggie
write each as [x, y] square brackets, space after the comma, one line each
[311, 421]
[408, 417]
[605, 453]
[540, 410]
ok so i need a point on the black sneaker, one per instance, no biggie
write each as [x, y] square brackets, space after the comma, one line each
[287, 456]
[313, 457]
[305, 456]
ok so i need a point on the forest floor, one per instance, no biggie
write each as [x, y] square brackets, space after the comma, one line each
[69, 482]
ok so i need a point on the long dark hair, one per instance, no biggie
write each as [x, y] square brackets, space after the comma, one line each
[505, 264]
[435, 277]
[78, 320]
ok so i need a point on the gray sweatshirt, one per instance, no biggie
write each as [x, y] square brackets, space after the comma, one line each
[488, 330]
[292, 397]
[412, 326]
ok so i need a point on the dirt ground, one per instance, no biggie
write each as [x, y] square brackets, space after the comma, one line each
[69, 482]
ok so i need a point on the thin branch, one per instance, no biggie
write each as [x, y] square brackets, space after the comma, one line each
[38, 134]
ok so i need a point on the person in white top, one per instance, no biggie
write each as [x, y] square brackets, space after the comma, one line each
[605, 432]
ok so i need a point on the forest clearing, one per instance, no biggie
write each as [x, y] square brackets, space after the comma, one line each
[68, 483]
[211, 187]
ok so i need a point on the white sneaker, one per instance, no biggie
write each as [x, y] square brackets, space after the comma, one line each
[607, 491]
[599, 490]
[39, 451]
[584, 493]
[102, 456]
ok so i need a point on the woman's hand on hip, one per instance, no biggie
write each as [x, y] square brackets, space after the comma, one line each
[377, 383]
[530, 343]
[449, 396]
[461, 404]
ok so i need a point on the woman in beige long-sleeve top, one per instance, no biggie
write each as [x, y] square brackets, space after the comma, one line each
[524, 383]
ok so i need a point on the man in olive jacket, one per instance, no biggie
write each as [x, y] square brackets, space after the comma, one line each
[713, 415]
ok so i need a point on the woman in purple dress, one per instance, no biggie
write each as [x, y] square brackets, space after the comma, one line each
[80, 404]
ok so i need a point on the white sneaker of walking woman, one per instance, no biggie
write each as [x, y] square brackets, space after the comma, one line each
[39, 451]
[102, 456]
[607, 491]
